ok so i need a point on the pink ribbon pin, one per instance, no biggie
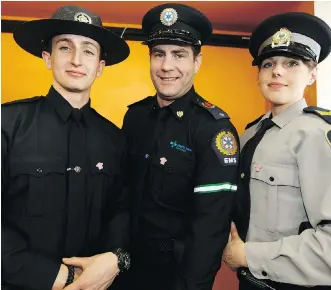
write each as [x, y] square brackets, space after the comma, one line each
[99, 165]
[257, 167]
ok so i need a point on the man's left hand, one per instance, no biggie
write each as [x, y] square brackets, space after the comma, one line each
[99, 271]
[234, 252]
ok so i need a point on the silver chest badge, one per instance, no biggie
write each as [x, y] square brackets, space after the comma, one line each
[169, 16]
[82, 17]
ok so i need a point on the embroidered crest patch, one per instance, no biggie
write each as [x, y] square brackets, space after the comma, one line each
[226, 147]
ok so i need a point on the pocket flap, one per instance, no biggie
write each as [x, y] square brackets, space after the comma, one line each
[176, 166]
[36, 168]
[273, 174]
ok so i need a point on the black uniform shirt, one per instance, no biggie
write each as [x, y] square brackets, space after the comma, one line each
[183, 171]
[62, 187]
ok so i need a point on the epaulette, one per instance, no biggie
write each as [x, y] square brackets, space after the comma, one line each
[28, 100]
[215, 111]
[322, 113]
[141, 102]
[254, 122]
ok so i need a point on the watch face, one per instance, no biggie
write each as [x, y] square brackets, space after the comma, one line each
[124, 260]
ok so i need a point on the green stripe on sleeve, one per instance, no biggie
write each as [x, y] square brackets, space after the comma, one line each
[208, 188]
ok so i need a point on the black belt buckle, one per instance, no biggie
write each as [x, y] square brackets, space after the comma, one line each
[245, 274]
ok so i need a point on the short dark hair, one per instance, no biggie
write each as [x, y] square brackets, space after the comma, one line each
[196, 50]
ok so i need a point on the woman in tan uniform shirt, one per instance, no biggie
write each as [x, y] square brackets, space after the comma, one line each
[284, 197]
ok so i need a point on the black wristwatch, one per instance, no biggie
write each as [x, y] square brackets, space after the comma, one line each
[124, 259]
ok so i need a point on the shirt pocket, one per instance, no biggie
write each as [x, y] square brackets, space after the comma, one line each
[172, 181]
[105, 181]
[38, 188]
[276, 202]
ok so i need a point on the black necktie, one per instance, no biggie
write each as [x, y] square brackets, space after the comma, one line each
[76, 212]
[246, 157]
[76, 115]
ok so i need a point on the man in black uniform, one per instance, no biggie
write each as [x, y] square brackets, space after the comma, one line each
[183, 159]
[62, 164]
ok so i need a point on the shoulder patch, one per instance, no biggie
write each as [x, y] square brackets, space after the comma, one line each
[142, 102]
[323, 113]
[328, 137]
[226, 147]
[28, 100]
[215, 111]
[253, 123]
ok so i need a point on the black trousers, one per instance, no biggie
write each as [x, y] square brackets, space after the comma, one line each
[148, 271]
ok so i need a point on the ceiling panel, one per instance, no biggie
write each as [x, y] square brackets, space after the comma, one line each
[236, 16]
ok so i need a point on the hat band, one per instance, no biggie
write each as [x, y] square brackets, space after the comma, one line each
[174, 34]
[297, 39]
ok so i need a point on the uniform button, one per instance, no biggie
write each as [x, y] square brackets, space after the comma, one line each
[146, 156]
[271, 178]
[170, 168]
[39, 170]
[264, 273]
[242, 175]
[77, 169]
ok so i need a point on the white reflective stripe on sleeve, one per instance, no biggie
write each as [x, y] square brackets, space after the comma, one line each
[215, 187]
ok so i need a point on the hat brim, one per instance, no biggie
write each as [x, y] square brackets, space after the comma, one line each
[31, 35]
[278, 52]
[169, 40]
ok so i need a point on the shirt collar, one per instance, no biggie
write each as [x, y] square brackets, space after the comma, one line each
[287, 115]
[63, 107]
[181, 105]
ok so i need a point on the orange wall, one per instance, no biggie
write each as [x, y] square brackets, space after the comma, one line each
[226, 78]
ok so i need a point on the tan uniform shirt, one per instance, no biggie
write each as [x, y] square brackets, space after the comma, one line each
[290, 183]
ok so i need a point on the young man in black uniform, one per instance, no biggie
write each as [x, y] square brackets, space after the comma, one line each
[183, 162]
[62, 164]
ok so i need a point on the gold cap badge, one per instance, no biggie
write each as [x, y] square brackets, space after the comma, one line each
[281, 38]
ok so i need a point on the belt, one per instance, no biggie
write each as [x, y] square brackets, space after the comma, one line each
[244, 275]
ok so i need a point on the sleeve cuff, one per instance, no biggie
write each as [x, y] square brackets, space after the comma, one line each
[40, 273]
[259, 256]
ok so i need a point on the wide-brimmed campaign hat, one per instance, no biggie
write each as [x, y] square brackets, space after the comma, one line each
[34, 36]
[173, 22]
[294, 34]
